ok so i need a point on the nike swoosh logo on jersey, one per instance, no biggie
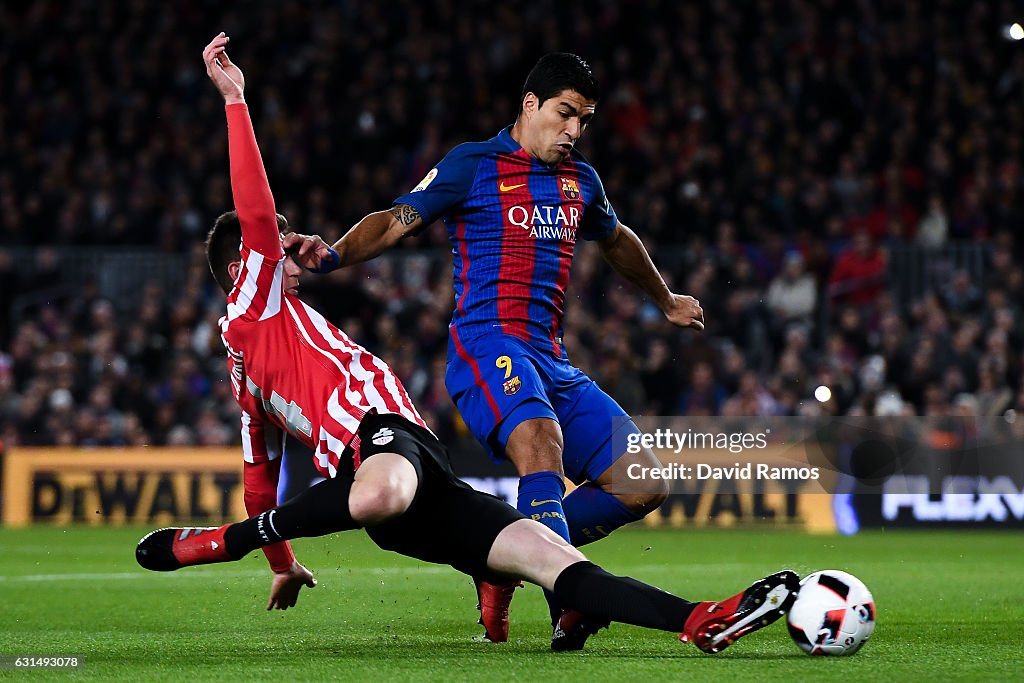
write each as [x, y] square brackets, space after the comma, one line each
[505, 188]
[535, 503]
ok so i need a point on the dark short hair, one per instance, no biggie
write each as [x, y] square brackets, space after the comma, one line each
[222, 244]
[558, 71]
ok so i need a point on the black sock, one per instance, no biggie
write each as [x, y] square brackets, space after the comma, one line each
[586, 587]
[554, 608]
[320, 509]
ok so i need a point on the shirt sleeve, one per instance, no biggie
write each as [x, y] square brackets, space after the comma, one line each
[249, 185]
[260, 483]
[445, 186]
[259, 289]
[599, 219]
[262, 448]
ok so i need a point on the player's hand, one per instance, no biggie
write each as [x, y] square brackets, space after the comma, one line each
[222, 71]
[685, 311]
[284, 590]
[309, 251]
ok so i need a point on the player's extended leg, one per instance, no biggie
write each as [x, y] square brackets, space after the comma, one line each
[382, 489]
[500, 388]
[594, 510]
[534, 446]
[594, 428]
[533, 552]
[613, 500]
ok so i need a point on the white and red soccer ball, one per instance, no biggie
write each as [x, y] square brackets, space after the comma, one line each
[834, 614]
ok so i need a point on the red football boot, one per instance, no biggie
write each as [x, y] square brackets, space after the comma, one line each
[493, 600]
[165, 550]
[573, 629]
[714, 626]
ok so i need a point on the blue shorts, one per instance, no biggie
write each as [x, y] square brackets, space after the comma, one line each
[498, 381]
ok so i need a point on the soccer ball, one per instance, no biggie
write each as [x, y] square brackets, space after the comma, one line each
[834, 614]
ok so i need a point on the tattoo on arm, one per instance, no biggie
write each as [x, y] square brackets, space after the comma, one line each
[405, 214]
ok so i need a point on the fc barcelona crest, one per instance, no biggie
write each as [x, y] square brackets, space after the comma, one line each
[512, 386]
[570, 190]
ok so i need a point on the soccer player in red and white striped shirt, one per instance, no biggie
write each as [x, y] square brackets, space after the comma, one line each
[291, 370]
[294, 372]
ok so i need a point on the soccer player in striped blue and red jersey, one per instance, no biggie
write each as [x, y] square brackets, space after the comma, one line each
[294, 372]
[514, 207]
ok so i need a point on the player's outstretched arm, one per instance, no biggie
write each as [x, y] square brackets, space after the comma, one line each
[367, 239]
[225, 75]
[249, 185]
[260, 484]
[628, 256]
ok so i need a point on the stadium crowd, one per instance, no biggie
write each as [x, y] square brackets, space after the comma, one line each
[771, 155]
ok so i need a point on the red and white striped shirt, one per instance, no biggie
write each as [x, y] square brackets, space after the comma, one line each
[290, 368]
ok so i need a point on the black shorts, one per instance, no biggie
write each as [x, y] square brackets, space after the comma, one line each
[448, 522]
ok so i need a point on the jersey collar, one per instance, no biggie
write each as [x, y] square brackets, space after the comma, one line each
[507, 142]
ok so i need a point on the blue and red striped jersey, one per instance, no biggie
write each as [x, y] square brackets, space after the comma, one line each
[513, 222]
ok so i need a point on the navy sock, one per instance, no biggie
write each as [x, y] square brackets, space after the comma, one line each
[540, 498]
[593, 514]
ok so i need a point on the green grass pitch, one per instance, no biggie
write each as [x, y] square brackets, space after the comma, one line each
[949, 607]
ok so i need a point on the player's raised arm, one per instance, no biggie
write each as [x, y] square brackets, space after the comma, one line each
[377, 232]
[249, 186]
[444, 187]
[373, 235]
[628, 256]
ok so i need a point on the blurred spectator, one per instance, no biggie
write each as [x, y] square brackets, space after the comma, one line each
[960, 296]
[933, 230]
[792, 294]
[704, 395]
[661, 377]
[859, 273]
[994, 396]
[750, 399]
[10, 401]
[9, 286]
